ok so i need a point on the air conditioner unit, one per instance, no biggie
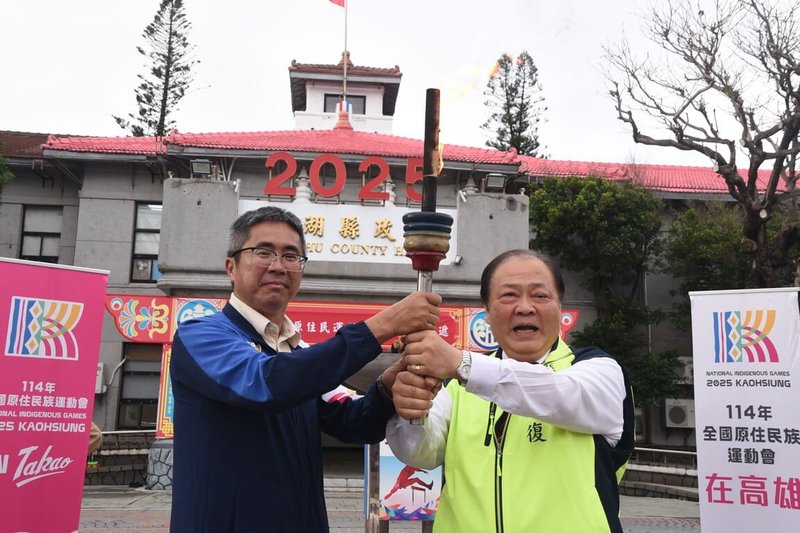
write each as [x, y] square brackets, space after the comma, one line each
[686, 369]
[679, 413]
[99, 384]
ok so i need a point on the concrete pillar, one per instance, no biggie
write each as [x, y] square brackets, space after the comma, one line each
[159, 466]
[195, 221]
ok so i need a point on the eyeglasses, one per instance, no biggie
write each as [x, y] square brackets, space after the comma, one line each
[265, 257]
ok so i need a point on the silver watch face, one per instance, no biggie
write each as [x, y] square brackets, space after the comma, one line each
[465, 366]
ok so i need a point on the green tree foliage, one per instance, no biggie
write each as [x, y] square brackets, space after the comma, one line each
[5, 173]
[169, 77]
[621, 333]
[724, 83]
[704, 251]
[608, 233]
[516, 105]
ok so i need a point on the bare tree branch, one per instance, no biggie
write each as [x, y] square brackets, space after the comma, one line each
[739, 62]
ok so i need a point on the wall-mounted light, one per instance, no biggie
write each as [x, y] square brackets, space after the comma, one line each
[494, 182]
[201, 168]
[457, 260]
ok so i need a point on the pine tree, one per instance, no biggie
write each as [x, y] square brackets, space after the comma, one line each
[516, 103]
[159, 92]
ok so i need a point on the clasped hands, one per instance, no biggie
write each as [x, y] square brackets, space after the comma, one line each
[428, 359]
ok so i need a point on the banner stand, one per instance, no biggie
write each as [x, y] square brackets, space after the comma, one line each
[746, 357]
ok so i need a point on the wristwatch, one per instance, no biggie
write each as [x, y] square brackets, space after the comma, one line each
[464, 368]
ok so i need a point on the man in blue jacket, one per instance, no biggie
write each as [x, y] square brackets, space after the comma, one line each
[248, 392]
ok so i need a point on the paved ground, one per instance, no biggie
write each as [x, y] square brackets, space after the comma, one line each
[109, 509]
[115, 509]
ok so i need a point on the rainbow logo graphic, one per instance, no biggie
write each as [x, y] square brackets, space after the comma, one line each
[43, 328]
[742, 337]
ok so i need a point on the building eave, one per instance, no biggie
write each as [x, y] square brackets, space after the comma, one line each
[96, 156]
[298, 80]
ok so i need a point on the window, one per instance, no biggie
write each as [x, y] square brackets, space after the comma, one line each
[141, 373]
[145, 243]
[41, 233]
[358, 103]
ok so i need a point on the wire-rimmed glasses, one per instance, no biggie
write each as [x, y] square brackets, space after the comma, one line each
[265, 257]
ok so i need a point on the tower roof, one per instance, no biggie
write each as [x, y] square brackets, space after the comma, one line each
[300, 73]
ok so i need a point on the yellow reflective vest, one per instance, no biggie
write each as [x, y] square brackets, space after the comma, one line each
[515, 474]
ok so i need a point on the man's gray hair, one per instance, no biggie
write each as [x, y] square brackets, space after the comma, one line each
[240, 230]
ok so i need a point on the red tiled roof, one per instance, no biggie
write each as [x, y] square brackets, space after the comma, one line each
[107, 145]
[338, 141]
[21, 144]
[691, 179]
[533, 166]
[665, 178]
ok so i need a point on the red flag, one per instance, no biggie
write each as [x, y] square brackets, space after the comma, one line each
[338, 2]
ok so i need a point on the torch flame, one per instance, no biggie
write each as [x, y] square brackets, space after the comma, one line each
[438, 159]
[495, 68]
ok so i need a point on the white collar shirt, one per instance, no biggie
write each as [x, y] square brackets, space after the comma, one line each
[281, 338]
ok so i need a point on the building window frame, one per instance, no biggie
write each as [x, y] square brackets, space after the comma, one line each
[358, 103]
[140, 411]
[43, 236]
[144, 265]
[137, 411]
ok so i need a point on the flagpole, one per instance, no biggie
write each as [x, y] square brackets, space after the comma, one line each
[346, 56]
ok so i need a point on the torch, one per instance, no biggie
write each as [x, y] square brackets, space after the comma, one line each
[427, 233]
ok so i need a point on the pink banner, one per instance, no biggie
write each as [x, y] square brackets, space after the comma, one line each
[50, 325]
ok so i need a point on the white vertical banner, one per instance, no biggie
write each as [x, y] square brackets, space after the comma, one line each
[747, 407]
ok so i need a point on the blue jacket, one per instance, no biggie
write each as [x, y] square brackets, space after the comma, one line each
[247, 450]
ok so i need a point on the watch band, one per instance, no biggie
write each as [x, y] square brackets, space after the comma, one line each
[464, 368]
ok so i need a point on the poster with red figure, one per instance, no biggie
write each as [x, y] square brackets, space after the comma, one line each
[407, 492]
